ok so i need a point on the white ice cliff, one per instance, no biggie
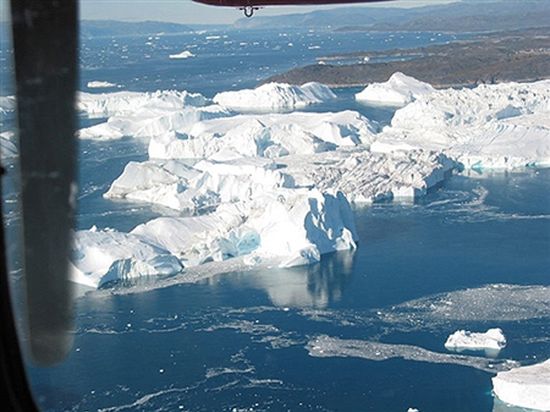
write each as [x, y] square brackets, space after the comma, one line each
[276, 97]
[526, 386]
[398, 91]
[493, 340]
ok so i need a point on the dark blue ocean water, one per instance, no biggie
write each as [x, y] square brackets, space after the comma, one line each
[237, 341]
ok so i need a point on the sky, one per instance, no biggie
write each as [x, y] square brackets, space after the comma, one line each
[188, 12]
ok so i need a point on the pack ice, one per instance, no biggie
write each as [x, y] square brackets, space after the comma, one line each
[526, 386]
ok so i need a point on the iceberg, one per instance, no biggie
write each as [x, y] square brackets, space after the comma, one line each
[99, 84]
[491, 341]
[525, 387]
[502, 126]
[7, 105]
[266, 135]
[275, 97]
[398, 91]
[102, 256]
[128, 103]
[183, 55]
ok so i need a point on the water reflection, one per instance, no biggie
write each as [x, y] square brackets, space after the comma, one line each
[315, 285]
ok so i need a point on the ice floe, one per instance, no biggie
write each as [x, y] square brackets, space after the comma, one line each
[100, 84]
[502, 126]
[7, 105]
[491, 341]
[326, 346]
[275, 96]
[525, 387]
[398, 91]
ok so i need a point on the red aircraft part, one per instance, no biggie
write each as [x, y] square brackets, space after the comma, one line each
[261, 3]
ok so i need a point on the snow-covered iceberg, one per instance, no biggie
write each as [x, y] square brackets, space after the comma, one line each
[100, 84]
[491, 341]
[398, 91]
[128, 103]
[502, 126]
[183, 55]
[292, 227]
[104, 256]
[526, 386]
[266, 135]
[275, 97]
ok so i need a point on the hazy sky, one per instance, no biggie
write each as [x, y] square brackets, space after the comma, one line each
[186, 11]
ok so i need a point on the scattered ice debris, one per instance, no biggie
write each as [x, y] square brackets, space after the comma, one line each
[491, 341]
[399, 90]
[183, 55]
[525, 387]
[99, 84]
[325, 346]
[502, 126]
[276, 97]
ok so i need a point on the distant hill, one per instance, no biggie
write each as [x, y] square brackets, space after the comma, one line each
[101, 28]
[466, 16]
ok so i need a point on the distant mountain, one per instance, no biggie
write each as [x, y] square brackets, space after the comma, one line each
[101, 28]
[456, 17]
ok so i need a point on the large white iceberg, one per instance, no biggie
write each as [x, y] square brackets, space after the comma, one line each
[491, 341]
[275, 96]
[128, 103]
[398, 91]
[287, 226]
[501, 126]
[102, 256]
[526, 386]
[183, 55]
[267, 135]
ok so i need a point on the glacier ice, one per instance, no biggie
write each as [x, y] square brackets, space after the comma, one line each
[492, 341]
[275, 97]
[102, 256]
[502, 126]
[398, 91]
[526, 386]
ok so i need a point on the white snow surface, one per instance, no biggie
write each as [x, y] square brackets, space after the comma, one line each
[100, 84]
[526, 386]
[502, 126]
[183, 55]
[398, 91]
[275, 97]
[493, 340]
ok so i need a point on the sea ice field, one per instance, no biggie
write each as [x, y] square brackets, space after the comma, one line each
[272, 247]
